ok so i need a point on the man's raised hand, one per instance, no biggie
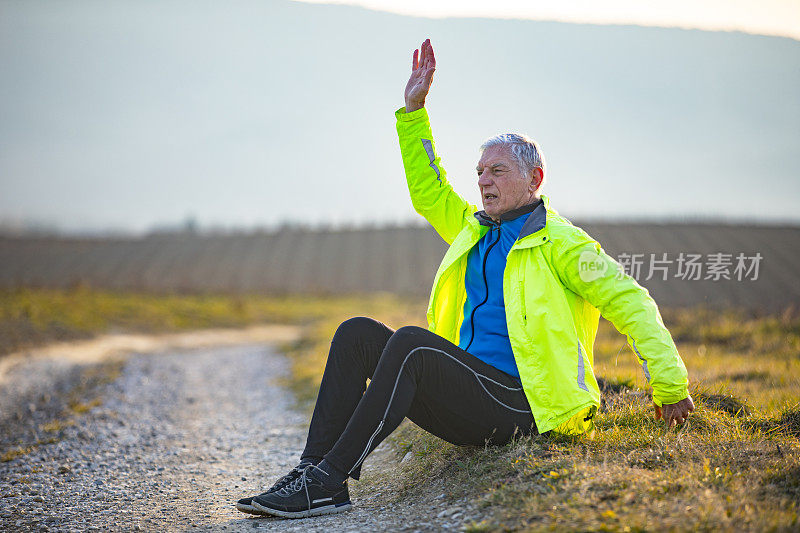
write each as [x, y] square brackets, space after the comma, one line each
[422, 67]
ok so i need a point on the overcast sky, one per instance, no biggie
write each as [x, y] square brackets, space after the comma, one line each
[125, 115]
[765, 17]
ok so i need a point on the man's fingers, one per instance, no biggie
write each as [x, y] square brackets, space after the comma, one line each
[672, 416]
[426, 54]
[676, 413]
[415, 60]
[428, 76]
[675, 416]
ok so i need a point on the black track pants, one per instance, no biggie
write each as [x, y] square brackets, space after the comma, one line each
[416, 374]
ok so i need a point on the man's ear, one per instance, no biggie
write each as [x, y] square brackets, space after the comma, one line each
[537, 177]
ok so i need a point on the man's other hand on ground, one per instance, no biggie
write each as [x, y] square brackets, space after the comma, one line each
[675, 413]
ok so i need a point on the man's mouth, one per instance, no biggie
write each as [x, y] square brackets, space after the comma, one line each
[489, 196]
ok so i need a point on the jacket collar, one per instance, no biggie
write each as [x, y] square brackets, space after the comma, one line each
[536, 221]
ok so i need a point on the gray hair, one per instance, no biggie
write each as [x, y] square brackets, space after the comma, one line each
[524, 150]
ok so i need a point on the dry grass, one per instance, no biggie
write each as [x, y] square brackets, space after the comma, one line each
[750, 356]
[81, 398]
[32, 317]
[734, 466]
[309, 353]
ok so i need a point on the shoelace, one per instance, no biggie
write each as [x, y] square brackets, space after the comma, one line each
[299, 484]
[282, 482]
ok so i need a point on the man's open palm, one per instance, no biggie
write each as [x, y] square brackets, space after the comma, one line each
[422, 67]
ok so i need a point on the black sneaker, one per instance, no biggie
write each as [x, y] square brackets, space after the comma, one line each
[305, 496]
[245, 505]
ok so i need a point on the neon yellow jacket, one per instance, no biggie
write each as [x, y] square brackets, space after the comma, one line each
[556, 283]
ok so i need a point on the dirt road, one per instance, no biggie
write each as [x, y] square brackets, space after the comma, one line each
[168, 441]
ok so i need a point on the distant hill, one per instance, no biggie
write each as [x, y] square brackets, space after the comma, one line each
[126, 115]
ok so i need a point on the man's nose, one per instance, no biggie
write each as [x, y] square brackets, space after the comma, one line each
[484, 180]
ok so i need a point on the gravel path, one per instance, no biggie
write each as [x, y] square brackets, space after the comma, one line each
[173, 440]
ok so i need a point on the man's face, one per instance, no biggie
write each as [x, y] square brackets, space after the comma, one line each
[503, 187]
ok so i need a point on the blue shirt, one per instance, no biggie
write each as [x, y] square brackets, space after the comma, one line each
[484, 332]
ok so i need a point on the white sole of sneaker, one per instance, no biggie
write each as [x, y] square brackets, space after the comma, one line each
[249, 509]
[317, 511]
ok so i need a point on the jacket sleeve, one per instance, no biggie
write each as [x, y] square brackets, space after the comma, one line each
[592, 274]
[431, 195]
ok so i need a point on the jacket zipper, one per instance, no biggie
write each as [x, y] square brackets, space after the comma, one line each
[486, 284]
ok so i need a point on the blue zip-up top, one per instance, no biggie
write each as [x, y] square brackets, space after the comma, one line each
[484, 332]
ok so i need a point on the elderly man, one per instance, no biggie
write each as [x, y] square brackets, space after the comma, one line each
[512, 320]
